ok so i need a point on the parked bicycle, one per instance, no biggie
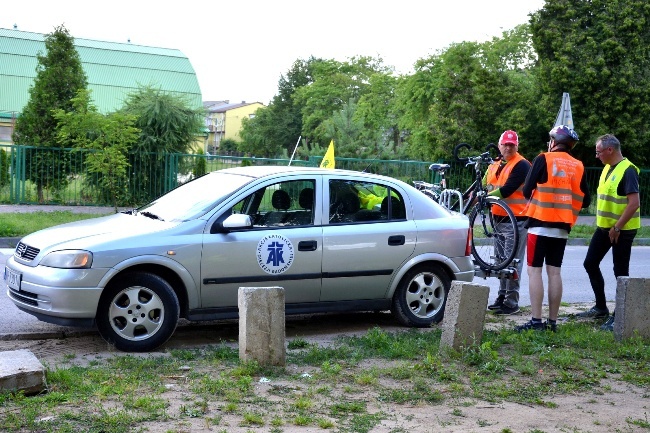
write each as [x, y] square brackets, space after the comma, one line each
[433, 190]
[494, 237]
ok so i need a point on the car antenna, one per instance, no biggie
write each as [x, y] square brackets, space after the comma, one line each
[294, 149]
[370, 163]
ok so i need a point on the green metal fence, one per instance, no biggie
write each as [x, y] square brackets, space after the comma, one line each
[151, 175]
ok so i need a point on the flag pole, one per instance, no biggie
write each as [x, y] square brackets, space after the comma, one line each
[294, 149]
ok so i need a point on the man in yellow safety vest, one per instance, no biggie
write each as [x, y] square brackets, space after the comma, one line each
[617, 219]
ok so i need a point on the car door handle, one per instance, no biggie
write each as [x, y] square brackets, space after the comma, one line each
[396, 240]
[307, 245]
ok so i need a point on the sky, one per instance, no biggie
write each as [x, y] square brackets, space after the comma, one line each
[239, 49]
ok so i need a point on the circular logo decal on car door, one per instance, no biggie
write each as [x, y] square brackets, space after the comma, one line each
[275, 254]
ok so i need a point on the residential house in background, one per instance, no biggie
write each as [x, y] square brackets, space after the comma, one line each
[224, 120]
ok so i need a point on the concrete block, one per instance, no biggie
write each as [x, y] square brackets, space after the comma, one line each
[632, 308]
[20, 370]
[262, 325]
[464, 318]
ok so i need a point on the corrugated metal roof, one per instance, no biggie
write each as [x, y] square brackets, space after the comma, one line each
[113, 70]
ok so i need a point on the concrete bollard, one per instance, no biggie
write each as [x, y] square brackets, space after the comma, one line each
[632, 308]
[464, 318]
[262, 325]
[21, 371]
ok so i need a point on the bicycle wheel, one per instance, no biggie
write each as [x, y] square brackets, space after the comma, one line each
[494, 237]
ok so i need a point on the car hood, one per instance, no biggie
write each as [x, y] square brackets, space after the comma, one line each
[84, 234]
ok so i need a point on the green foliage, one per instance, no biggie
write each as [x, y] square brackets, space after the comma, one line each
[167, 124]
[5, 163]
[345, 130]
[260, 134]
[334, 84]
[108, 136]
[279, 125]
[200, 165]
[16, 225]
[470, 93]
[59, 76]
[378, 111]
[599, 52]
[228, 144]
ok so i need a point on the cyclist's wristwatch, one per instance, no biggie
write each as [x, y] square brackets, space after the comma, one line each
[616, 229]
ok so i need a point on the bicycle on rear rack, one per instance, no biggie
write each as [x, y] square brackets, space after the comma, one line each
[492, 222]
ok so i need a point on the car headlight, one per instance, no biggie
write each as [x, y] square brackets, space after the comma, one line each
[68, 259]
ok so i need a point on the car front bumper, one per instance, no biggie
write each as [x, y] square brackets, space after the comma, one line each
[61, 293]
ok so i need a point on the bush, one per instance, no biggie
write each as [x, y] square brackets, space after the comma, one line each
[4, 168]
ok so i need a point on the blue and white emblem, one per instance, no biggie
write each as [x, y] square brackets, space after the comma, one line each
[275, 254]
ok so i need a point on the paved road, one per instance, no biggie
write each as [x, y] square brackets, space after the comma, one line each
[16, 323]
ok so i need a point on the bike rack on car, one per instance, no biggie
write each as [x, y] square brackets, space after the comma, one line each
[507, 273]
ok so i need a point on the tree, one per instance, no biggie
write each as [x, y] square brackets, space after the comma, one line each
[277, 127]
[379, 113]
[345, 130]
[4, 168]
[107, 137]
[470, 92]
[167, 124]
[334, 84]
[59, 76]
[261, 133]
[599, 52]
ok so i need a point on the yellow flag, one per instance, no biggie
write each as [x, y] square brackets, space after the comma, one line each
[328, 159]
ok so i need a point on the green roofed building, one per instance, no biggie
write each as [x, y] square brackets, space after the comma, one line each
[113, 70]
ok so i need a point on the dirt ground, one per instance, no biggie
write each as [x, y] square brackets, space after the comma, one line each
[613, 408]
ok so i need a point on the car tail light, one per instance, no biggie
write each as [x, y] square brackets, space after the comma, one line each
[468, 245]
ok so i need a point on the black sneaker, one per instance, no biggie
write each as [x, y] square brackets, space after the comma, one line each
[535, 326]
[594, 313]
[550, 326]
[506, 310]
[608, 325]
[498, 303]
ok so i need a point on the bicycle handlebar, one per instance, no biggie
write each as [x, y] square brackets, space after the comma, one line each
[492, 146]
[483, 158]
[457, 148]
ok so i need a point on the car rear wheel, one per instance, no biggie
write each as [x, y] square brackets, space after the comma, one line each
[138, 312]
[421, 296]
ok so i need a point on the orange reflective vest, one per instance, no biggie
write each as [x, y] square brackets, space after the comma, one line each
[559, 199]
[515, 201]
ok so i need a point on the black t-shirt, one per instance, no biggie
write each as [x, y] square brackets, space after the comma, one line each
[516, 179]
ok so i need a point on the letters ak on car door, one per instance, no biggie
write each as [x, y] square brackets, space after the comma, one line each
[283, 248]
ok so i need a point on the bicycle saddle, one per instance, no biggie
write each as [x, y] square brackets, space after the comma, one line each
[438, 167]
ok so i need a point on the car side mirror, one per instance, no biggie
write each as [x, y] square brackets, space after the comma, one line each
[235, 221]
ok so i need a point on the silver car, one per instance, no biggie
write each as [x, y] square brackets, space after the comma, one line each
[335, 240]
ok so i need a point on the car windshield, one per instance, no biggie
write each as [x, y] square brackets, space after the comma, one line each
[193, 199]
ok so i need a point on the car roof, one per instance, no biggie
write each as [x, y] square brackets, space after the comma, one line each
[260, 171]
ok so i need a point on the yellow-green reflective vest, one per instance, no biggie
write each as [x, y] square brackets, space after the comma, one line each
[610, 205]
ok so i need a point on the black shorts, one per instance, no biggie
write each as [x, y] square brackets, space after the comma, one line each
[544, 248]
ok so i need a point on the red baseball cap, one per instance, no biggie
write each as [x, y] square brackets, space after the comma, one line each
[509, 137]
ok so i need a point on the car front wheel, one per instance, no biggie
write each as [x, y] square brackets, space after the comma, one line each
[138, 312]
[421, 296]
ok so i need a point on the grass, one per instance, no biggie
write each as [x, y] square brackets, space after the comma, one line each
[21, 224]
[348, 387]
